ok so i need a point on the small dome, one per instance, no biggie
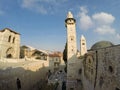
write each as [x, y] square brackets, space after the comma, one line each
[101, 44]
[69, 15]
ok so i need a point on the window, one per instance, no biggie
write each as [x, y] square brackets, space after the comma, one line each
[56, 59]
[72, 50]
[80, 71]
[71, 39]
[9, 39]
[14, 40]
[83, 43]
[110, 69]
[89, 61]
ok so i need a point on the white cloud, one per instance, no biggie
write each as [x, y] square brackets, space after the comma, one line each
[105, 29]
[41, 9]
[42, 6]
[28, 3]
[34, 6]
[118, 36]
[103, 22]
[103, 18]
[85, 21]
[99, 22]
[83, 10]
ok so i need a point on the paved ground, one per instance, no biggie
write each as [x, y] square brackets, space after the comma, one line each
[57, 77]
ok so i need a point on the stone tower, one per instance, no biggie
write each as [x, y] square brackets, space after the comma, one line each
[83, 48]
[70, 24]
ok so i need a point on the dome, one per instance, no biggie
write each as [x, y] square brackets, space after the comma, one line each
[101, 44]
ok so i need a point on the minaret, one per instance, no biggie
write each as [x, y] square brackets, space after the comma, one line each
[70, 24]
[83, 48]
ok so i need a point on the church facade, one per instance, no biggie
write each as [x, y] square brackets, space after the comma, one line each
[9, 44]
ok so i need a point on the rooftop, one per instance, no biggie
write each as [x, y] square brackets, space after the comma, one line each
[101, 44]
[9, 30]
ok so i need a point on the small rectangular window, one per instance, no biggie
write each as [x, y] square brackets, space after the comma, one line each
[83, 43]
[9, 39]
[14, 40]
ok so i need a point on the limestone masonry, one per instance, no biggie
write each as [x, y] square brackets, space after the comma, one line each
[9, 44]
[28, 64]
[95, 69]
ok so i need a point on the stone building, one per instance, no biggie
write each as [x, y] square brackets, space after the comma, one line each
[29, 52]
[102, 67]
[83, 47]
[9, 44]
[95, 69]
[73, 62]
[56, 61]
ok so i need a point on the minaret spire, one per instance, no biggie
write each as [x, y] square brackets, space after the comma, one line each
[83, 48]
[69, 15]
[70, 24]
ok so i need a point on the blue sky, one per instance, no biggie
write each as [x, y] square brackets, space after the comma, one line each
[41, 22]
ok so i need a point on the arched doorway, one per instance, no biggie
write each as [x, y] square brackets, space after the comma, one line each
[9, 56]
[9, 52]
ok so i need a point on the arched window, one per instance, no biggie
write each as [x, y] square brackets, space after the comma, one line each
[14, 40]
[9, 39]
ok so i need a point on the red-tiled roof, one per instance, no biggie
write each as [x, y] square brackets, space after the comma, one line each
[9, 30]
[55, 55]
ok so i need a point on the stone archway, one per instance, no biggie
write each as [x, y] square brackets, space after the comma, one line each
[10, 53]
[9, 56]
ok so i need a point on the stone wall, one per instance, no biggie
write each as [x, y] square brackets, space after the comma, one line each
[102, 72]
[74, 69]
[30, 74]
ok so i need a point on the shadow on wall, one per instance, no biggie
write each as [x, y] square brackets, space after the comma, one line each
[30, 80]
[74, 73]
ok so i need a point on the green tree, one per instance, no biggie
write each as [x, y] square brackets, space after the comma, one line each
[65, 57]
[65, 53]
